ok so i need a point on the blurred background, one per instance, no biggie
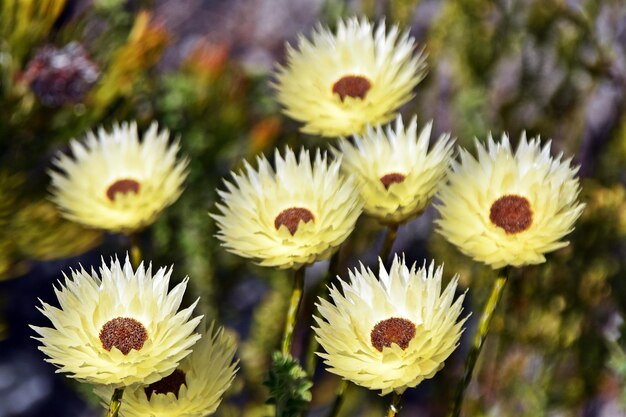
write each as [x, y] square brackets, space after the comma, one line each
[203, 69]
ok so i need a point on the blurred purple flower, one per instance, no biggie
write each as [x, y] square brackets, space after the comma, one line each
[61, 76]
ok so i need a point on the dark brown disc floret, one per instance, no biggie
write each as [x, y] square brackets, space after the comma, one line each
[123, 333]
[392, 178]
[355, 86]
[511, 213]
[170, 383]
[122, 186]
[292, 217]
[393, 330]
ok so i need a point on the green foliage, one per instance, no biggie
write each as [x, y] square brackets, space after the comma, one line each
[289, 386]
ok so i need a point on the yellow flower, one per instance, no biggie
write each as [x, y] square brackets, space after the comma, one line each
[338, 83]
[290, 217]
[397, 174]
[194, 389]
[508, 208]
[117, 183]
[118, 328]
[389, 332]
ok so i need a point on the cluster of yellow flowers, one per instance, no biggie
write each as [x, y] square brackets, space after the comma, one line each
[385, 331]
[121, 329]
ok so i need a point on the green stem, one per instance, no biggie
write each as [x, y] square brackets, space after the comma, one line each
[394, 407]
[116, 402]
[135, 250]
[322, 293]
[390, 238]
[339, 398]
[294, 306]
[479, 339]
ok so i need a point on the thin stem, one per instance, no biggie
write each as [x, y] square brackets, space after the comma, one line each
[294, 306]
[394, 407]
[479, 340]
[116, 402]
[135, 250]
[390, 238]
[322, 293]
[339, 398]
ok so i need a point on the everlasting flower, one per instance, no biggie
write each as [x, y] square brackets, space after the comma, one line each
[61, 76]
[118, 328]
[290, 217]
[389, 333]
[338, 83]
[508, 208]
[117, 183]
[397, 174]
[194, 389]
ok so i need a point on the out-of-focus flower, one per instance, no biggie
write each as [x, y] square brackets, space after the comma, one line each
[117, 183]
[508, 208]
[389, 332]
[397, 174]
[143, 49]
[290, 217]
[264, 133]
[194, 389]
[207, 59]
[25, 24]
[336, 84]
[120, 327]
[61, 76]
[34, 229]
[41, 233]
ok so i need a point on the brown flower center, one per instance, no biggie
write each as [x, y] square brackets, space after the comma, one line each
[292, 217]
[123, 333]
[393, 330]
[512, 213]
[170, 383]
[392, 178]
[355, 86]
[123, 186]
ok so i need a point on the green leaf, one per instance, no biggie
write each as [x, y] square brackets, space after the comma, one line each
[289, 386]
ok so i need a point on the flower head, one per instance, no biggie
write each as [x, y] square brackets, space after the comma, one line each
[389, 332]
[194, 389]
[338, 83]
[119, 327]
[507, 208]
[290, 217]
[61, 76]
[396, 172]
[117, 183]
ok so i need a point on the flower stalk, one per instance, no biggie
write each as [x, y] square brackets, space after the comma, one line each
[322, 293]
[116, 402]
[390, 238]
[394, 407]
[294, 306]
[339, 398]
[135, 250]
[479, 339]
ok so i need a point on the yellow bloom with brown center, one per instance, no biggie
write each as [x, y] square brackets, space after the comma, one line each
[194, 389]
[509, 208]
[389, 332]
[397, 173]
[291, 216]
[338, 83]
[117, 183]
[119, 327]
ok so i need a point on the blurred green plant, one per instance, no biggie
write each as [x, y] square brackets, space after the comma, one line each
[289, 386]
